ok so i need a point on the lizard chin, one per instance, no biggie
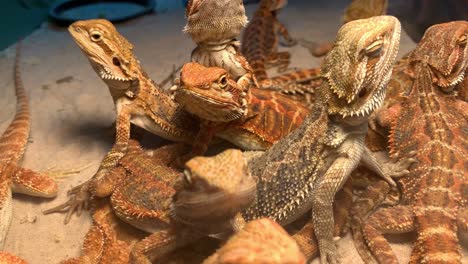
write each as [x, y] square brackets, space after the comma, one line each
[208, 108]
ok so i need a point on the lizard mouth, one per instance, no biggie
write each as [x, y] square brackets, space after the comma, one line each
[209, 108]
[372, 101]
[108, 75]
[446, 81]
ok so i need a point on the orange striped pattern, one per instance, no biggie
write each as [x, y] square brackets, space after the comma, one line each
[14, 139]
[260, 40]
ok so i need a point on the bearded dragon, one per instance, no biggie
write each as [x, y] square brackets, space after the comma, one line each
[214, 25]
[253, 119]
[137, 98]
[428, 122]
[304, 170]
[260, 241]
[13, 142]
[260, 40]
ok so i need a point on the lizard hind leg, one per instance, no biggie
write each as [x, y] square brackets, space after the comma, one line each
[393, 220]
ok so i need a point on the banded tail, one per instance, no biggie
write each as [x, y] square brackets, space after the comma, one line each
[14, 139]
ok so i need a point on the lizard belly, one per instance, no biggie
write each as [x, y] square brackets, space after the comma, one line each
[150, 125]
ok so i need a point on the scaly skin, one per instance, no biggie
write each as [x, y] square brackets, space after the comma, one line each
[253, 120]
[13, 142]
[304, 170]
[138, 100]
[427, 122]
[7, 258]
[214, 26]
[260, 41]
[260, 241]
[357, 9]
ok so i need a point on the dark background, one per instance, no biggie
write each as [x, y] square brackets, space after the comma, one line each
[19, 18]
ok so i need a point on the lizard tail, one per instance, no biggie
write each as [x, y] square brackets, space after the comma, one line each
[14, 139]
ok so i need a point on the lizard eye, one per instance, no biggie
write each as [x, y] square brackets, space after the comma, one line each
[116, 61]
[187, 178]
[96, 36]
[462, 40]
[223, 81]
[375, 48]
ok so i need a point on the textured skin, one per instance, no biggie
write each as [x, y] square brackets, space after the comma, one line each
[13, 142]
[137, 98]
[260, 241]
[253, 119]
[260, 40]
[357, 9]
[304, 170]
[7, 258]
[214, 25]
[427, 122]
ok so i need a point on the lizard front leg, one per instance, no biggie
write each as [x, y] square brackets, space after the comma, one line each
[121, 143]
[283, 31]
[103, 182]
[384, 167]
[325, 190]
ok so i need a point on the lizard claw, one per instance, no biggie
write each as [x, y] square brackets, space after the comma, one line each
[76, 203]
[396, 169]
[328, 254]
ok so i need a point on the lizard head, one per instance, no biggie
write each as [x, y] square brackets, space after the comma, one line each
[110, 54]
[444, 48]
[359, 66]
[214, 20]
[216, 187]
[209, 93]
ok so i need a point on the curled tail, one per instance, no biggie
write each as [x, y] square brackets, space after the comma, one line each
[14, 139]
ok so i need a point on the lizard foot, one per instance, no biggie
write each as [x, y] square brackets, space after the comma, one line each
[399, 168]
[328, 253]
[288, 43]
[79, 197]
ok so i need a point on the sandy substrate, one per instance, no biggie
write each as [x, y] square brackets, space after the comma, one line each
[71, 109]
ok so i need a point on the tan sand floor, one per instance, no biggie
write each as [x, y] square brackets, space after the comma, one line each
[71, 108]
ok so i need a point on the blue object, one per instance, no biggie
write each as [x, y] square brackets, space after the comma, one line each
[69, 11]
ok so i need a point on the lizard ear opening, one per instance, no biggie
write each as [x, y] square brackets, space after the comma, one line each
[462, 41]
[95, 36]
[223, 81]
[375, 48]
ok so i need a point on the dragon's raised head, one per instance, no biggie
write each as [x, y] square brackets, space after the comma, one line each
[444, 48]
[110, 54]
[214, 21]
[216, 187]
[209, 93]
[359, 66]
